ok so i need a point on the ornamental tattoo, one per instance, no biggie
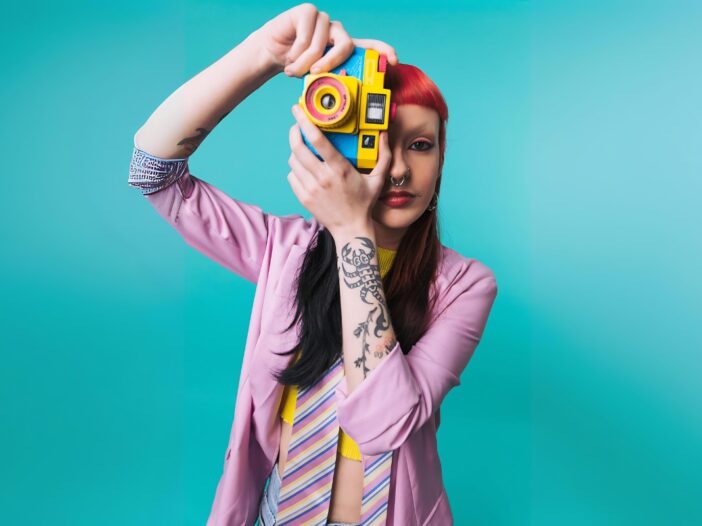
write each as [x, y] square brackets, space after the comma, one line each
[366, 275]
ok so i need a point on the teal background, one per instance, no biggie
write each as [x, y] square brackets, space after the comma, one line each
[573, 171]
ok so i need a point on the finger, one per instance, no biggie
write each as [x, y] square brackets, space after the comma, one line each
[379, 46]
[315, 50]
[308, 181]
[384, 156]
[340, 51]
[304, 30]
[309, 160]
[324, 147]
[297, 188]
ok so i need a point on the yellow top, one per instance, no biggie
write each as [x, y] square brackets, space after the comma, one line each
[347, 447]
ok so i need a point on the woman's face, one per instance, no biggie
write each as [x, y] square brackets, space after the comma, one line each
[414, 142]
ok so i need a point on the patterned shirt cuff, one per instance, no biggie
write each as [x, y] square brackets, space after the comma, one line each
[151, 174]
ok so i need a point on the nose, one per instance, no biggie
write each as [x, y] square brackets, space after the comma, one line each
[398, 165]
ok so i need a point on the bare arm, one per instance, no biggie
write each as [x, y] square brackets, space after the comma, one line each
[182, 121]
[367, 332]
[292, 42]
[388, 394]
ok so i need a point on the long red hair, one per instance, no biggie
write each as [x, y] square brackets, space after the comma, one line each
[407, 285]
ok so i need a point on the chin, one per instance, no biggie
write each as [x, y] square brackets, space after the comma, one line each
[395, 218]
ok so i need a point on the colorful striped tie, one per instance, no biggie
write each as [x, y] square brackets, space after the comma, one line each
[305, 491]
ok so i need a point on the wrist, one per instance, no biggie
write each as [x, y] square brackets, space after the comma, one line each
[349, 233]
[265, 62]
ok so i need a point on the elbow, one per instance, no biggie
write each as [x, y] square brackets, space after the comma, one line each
[389, 437]
[382, 420]
[387, 407]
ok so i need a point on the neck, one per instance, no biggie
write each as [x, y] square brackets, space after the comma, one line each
[388, 237]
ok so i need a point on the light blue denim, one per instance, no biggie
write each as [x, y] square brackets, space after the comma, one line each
[269, 502]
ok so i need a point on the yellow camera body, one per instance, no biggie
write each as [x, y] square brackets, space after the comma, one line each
[350, 105]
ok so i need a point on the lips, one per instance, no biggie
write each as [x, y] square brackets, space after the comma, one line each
[397, 194]
[397, 199]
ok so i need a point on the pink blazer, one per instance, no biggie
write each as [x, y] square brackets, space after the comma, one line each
[395, 408]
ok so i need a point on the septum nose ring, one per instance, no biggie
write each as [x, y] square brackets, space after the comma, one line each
[401, 182]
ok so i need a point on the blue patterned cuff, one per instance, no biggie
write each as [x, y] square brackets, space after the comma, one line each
[151, 174]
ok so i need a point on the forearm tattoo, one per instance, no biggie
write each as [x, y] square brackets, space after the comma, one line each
[191, 143]
[360, 272]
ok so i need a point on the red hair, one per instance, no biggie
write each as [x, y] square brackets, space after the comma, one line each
[407, 284]
[410, 85]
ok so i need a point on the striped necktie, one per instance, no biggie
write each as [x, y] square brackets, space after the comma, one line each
[305, 492]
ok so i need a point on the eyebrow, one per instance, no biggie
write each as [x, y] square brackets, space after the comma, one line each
[420, 129]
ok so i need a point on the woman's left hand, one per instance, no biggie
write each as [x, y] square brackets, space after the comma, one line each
[339, 197]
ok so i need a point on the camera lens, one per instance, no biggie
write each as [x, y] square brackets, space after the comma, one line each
[328, 101]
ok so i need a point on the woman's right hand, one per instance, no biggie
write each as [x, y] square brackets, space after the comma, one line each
[295, 41]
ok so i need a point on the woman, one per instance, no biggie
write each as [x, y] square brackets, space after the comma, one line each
[386, 315]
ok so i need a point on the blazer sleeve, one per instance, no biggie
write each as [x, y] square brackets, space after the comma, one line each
[404, 390]
[228, 231]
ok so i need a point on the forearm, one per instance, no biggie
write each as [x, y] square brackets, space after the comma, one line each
[368, 335]
[181, 122]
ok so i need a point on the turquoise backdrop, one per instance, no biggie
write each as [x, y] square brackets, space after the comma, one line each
[573, 171]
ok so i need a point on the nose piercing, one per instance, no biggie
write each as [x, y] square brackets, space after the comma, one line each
[402, 181]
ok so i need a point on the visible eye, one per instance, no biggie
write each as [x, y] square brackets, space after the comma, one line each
[423, 145]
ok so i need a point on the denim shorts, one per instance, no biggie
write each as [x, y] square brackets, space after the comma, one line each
[269, 502]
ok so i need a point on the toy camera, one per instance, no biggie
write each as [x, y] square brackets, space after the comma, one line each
[351, 106]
